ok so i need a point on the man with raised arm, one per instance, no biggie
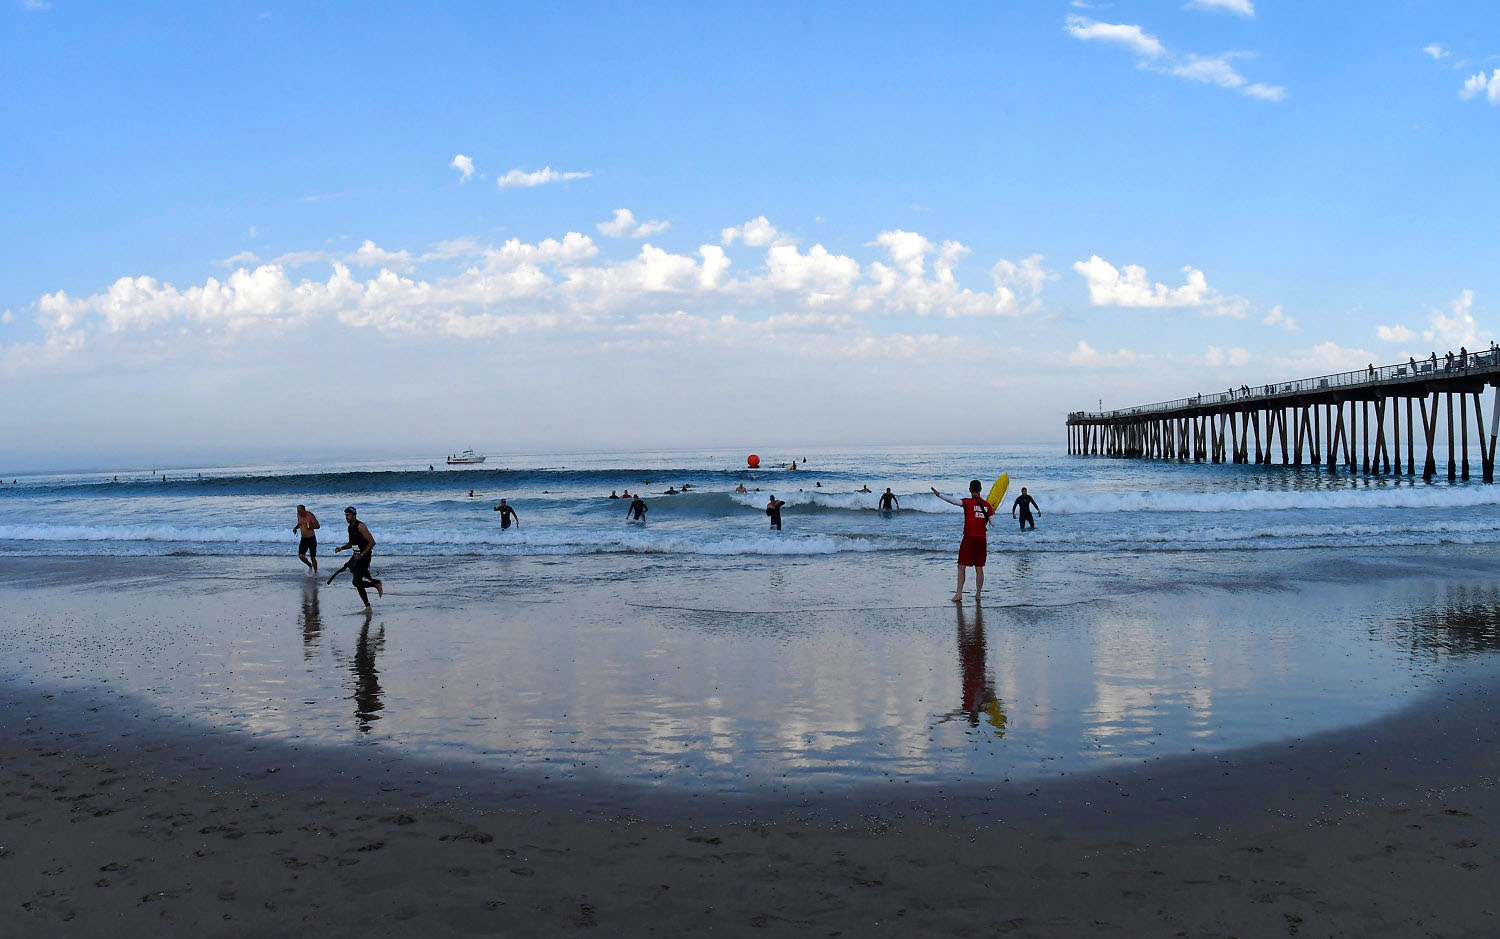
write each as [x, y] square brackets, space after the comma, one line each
[972, 549]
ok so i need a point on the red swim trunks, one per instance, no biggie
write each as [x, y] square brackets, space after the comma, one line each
[971, 551]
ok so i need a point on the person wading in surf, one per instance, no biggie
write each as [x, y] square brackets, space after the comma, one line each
[363, 544]
[307, 549]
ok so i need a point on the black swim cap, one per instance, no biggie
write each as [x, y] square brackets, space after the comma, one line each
[350, 511]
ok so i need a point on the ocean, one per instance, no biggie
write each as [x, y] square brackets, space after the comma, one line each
[1157, 610]
[1088, 504]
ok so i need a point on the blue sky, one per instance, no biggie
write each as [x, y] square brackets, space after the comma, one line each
[239, 229]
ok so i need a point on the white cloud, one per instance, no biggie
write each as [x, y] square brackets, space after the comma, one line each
[1436, 51]
[1086, 355]
[371, 255]
[1446, 331]
[757, 233]
[1213, 70]
[1132, 37]
[1239, 7]
[1217, 70]
[7, 317]
[237, 260]
[1028, 275]
[1234, 356]
[1323, 359]
[1276, 317]
[516, 288]
[323, 196]
[624, 225]
[465, 167]
[1481, 84]
[519, 178]
[35, 5]
[1458, 327]
[1111, 286]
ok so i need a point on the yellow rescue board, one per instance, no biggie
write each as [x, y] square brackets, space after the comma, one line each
[997, 491]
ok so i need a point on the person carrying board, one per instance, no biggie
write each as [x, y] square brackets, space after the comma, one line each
[972, 549]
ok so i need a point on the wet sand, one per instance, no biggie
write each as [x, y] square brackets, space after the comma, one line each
[120, 818]
[1379, 830]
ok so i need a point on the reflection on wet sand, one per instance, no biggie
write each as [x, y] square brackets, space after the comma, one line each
[978, 697]
[1464, 621]
[312, 620]
[367, 694]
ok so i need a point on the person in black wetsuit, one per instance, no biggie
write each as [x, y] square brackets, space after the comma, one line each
[773, 509]
[888, 499]
[1025, 503]
[363, 544]
[636, 511]
[506, 514]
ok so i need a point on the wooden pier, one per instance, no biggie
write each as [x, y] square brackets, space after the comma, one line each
[1351, 420]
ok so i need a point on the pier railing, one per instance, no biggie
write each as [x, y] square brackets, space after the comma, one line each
[1451, 366]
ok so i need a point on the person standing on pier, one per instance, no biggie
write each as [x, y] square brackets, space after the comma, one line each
[973, 548]
[1025, 503]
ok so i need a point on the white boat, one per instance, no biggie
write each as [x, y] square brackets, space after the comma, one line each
[468, 456]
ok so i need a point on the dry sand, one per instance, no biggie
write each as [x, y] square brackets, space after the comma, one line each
[113, 827]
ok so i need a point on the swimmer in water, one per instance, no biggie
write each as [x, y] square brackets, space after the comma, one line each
[636, 511]
[773, 509]
[888, 499]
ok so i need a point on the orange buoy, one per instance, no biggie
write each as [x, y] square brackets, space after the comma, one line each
[753, 460]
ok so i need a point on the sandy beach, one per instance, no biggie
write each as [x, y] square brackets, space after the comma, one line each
[141, 807]
[1380, 830]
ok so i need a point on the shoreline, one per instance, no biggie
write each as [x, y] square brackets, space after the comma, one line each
[124, 813]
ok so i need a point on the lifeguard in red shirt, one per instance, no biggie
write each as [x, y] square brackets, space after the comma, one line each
[972, 550]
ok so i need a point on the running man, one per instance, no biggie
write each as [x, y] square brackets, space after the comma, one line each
[363, 544]
[972, 549]
[888, 499]
[773, 509]
[636, 511]
[1025, 504]
[506, 514]
[307, 548]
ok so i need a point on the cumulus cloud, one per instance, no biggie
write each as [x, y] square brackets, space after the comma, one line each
[548, 287]
[1276, 317]
[757, 233]
[520, 179]
[1028, 275]
[1482, 84]
[1151, 54]
[1129, 287]
[1238, 7]
[624, 225]
[1436, 51]
[1445, 330]
[465, 167]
